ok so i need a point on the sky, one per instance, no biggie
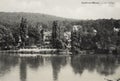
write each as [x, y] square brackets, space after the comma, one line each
[76, 9]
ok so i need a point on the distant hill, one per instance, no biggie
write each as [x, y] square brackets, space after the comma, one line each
[15, 17]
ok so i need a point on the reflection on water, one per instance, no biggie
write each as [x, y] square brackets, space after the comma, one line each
[23, 69]
[105, 65]
[57, 63]
[6, 63]
[59, 68]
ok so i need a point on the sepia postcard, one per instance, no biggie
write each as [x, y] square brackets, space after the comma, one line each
[59, 40]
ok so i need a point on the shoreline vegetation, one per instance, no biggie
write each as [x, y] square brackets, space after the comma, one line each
[35, 33]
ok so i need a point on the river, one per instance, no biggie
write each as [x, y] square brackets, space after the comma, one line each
[60, 68]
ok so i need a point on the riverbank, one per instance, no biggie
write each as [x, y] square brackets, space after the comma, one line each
[35, 51]
[44, 51]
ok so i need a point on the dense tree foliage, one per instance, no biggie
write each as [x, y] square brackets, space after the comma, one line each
[35, 35]
[22, 32]
[105, 38]
[6, 37]
[11, 24]
[58, 35]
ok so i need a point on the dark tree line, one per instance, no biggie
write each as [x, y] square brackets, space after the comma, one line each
[105, 37]
[20, 34]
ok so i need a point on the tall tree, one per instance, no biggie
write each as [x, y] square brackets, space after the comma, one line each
[57, 34]
[23, 31]
[54, 33]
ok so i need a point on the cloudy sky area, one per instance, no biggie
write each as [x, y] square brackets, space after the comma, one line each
[78, 9]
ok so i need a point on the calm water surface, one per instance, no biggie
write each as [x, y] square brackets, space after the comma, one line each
[60, 68]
